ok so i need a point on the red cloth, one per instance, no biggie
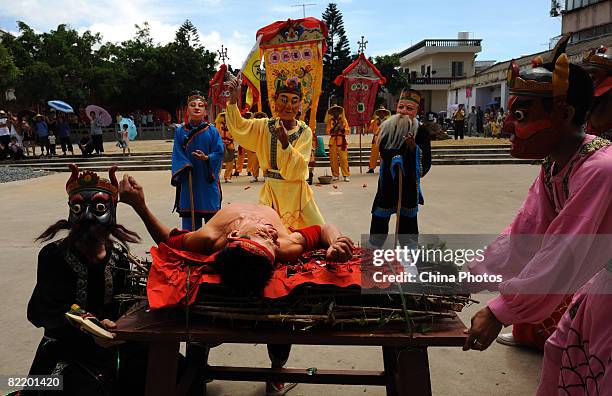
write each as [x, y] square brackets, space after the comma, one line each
[312, 235]
[534, 335]
[175, 240]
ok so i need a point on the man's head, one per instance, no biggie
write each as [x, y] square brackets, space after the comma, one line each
[547, 104]
[196, 106]
[260, 114]
[335, 112]
[409, 103]
[92, 203]
[2, 113]
[598, 63]
[288, 98]
[92, 114]
[246, 263]
[473, 109]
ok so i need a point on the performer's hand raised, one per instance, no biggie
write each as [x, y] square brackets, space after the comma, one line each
[281, 133]
[410, 142]
[130, 192]
[199, 154]
[235, 88]
[340, 251]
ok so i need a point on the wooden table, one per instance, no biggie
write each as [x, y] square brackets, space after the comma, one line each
[406, 364]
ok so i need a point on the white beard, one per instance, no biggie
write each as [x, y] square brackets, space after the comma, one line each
[394, 130]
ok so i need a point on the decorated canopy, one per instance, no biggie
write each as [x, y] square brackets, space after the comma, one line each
[361, 81]
[294, 49]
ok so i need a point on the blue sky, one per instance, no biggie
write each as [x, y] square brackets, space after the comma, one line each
[508, 28]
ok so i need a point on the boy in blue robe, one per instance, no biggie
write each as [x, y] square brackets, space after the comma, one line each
[197, 151]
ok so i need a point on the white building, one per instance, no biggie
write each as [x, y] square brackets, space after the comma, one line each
[433, 64]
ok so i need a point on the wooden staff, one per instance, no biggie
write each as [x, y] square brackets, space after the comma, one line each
[360, 133]
[191, 201]
[399, 206]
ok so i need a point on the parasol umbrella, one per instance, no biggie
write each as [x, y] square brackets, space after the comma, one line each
[132, 132]
[60, 106]
[105, 118]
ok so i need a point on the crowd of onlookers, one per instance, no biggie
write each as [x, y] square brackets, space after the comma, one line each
[487, 123]
[21, 134]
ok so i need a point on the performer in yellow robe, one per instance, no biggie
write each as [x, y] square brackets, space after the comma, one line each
[228, 143]
[242, 153]
[337, 127]
[283, 148]
[380, 115]
[252, 161]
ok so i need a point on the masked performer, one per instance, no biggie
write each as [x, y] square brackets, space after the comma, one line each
[380, 115]
[336, 126]
[88, 267]
[249, 239]
[283, 147]
[599, 65]
[228, 144]
[196, 162]
[566, 208]
[405, 145]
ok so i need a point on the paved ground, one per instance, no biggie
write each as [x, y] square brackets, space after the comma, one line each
[459, 199]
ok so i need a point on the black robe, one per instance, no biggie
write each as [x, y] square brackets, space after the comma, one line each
[385, 202]
[64, 278]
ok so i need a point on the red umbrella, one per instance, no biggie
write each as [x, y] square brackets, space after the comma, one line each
[105, 118]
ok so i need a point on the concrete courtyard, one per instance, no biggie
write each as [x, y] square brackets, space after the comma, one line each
[458, 199]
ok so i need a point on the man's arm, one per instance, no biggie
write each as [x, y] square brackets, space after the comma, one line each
[339, 248]
[131, 193]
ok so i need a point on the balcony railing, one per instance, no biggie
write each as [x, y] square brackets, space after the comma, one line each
[444, 43]
[434, 80]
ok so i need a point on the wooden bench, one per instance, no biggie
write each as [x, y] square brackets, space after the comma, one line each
[406, 364]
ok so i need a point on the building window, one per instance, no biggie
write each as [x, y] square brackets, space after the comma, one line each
[457, 69]
[574, 4]
[587, 34]
[422, 70]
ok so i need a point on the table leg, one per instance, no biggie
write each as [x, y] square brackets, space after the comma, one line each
[162, 368]
[407, 371]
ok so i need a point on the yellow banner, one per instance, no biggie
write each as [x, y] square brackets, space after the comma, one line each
[301, 60]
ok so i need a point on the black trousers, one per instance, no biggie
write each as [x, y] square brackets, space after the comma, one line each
[5, 140]
[379, 228]
[459, 126]
[98, 143]
[66, 144]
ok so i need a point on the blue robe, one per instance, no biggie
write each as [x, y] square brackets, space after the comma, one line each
[206, 187]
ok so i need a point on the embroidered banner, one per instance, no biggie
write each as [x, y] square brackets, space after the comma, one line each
[294, 49]
[361, 81]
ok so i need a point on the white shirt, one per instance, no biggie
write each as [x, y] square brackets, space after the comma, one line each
[4, 131]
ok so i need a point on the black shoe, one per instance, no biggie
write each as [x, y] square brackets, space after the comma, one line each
[370, 171]
[249, 174]
[235, 174]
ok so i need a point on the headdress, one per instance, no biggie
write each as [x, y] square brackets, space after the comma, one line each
[411, 95]
[543, 79]
[247, 115]
[382, 114]
[335, 111]
[252, 247]
[290, 85]
[260, 114]
[88, 181]
[196, 95]
[598, 57]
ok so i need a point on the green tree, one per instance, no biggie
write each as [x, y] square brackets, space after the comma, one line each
[337, 57]
[389, 67]
[9, 73]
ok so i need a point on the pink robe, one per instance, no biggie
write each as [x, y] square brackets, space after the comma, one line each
[559, 240]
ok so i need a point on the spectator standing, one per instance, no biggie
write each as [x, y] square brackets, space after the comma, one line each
[459, 122]
[63, 133]
[42, 134]
[28, 137]
[52, 142]
[150, 118]
[479, 121]
[143, 120]
[5, 131]
[123, 139]
[96, 132]
[473, 122]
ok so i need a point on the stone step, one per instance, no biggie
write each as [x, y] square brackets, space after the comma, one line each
[435, 162]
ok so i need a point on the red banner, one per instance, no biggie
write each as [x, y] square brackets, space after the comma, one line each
[359, 98]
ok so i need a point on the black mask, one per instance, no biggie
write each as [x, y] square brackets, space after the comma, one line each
[92, 206]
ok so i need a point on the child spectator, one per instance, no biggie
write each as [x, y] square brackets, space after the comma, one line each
[51, 143]
[123, 139]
